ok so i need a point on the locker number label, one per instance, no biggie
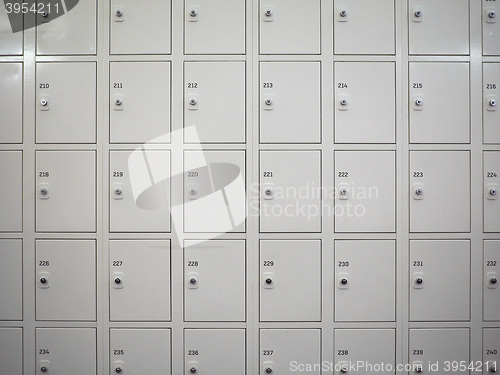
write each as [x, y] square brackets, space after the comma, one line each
[267, 85]
[43, 351]
[418, 85]
[192, 85]
[491, 86]
[342, 85]
[269, 263]
[44, 85]
[193, 352]
[117, 263]
[43, 174]
[44, 263]
[267, 352]
[192, 263]
[118, 352]
[118, 85]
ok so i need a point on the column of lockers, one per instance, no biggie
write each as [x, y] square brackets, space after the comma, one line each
[439, 126]
[11, 182]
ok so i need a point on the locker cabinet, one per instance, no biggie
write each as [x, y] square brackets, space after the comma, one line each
[66, 191]
[439, 102]
[290, 105]
[11, 184]
[140, 351]
[440, 280]
[214, 101]
[357, 296]
[428, 346]
[282, 350]
[491, 270]
[11, 355]
[491, 175]
[491, 102]
[282, 25]
[282, 208]
[214, 28]
[214, 196]
[12, 43]
[364, 27]
[365, 102]
[129, 171]
[372, 346]
[11, 105]
[439, 191]
[139, 272]
[491, 28]
[283, 295]
[74, 31]
[438, 27]
[214, 351]
[215, 281]
[66, 102]
[130, 104]
[56, 349]
[66, 280]
[491, 350]
[128, 32]
[11, 279]
[365, 196]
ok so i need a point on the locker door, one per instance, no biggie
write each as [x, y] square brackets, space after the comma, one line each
[215, 281]
[365, 97]
[129, 35]
[491, 269]
[440, 280]
[214, 27]
[66, 102]
[140, 351]
[357, 296]
[139, 276]
[371, 346]
[11, 355]
[63, 351]
[215, 101]
[66, 280]
[491, 28]
[428, 346]
[214, 351]
[282, 208]
[66, 191]
[290, 106]
[365, 196]
[138, 115]
[491, 185]
[491, 349]
[12, 43]
[282, 25]
[491, 102]
[11, 279]
[364, 27]
[439, 191]
[282, 350]
[11, 105]
[439, 103]
[283, 295]
[11, 183]
[128, 170]
[74, 32]
[438, 27]
[214, 196]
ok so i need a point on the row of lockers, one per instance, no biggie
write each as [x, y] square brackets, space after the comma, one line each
[215, 102]
[291, 200]
[360, 27]
[222, 351]
[215, 284]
